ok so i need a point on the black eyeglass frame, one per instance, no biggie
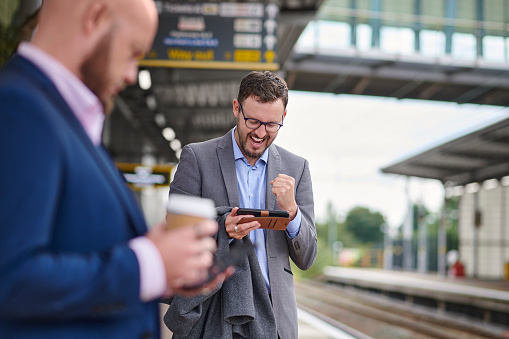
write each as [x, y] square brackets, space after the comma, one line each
[259, 122]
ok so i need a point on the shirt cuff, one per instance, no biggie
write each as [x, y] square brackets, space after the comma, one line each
[152, 271]
[293, 227]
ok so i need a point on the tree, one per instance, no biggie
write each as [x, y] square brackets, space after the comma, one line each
[12, 33]
[364, 225]
[8, 42]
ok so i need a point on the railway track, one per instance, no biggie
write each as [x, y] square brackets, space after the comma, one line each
[367, 315]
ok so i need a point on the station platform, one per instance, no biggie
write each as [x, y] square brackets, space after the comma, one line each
[312, 327]
[487, 301]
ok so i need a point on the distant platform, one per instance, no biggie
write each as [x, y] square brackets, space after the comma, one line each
[487, 301]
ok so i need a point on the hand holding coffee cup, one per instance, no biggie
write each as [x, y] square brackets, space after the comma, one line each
[185, 210]
[185, 240]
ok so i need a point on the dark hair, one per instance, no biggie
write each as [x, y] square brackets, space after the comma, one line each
[264, 86]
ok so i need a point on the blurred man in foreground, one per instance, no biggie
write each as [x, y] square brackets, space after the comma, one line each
[76, 260]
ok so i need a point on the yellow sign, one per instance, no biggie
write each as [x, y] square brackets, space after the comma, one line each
[269, 56]
[247, 55]
[215, 35]
[187, 55]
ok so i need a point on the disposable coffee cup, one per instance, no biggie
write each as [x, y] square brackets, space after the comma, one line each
[185, 210]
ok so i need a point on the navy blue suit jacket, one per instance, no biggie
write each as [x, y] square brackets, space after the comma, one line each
[65, 219]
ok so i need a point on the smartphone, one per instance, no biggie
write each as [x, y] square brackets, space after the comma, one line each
[237, 251]
[263, 213]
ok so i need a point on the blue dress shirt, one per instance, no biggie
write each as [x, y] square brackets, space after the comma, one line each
[252, 182]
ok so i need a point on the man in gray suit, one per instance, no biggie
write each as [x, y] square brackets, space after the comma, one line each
[245, 169]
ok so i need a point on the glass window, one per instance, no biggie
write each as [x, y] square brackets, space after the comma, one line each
[432, 43]
[364, 33]
[464, 46]
[397, 40]
[328, 36]
[333, 35]
[493, 48]
[506, 49]
[306, 41]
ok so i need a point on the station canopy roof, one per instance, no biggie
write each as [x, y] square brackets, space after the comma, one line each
[475, 157]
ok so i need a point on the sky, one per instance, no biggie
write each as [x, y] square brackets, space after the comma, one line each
[347, 139]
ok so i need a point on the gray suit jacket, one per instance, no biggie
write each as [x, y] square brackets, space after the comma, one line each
[207, 169]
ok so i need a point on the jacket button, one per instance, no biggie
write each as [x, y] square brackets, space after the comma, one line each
[296, 245]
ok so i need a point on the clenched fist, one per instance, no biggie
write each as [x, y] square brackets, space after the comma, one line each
[283, 188]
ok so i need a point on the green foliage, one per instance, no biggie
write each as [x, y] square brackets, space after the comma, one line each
[451, 225]
[9, 39]
[421, 214]
[322, 231]
[335, 227]
[323, 258]
[360, 233]
[11, 34]
[358, 216]
[364, 225]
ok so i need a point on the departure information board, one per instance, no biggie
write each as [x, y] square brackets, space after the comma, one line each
[215, 35]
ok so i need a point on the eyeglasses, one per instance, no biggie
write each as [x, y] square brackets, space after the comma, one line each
[251, 123]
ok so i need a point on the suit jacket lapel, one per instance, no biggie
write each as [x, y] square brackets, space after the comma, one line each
[273, 170]
[228, 169]
[104, 162]
[126, 196]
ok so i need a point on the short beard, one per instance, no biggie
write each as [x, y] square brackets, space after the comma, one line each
[95, 73]
[243, 147]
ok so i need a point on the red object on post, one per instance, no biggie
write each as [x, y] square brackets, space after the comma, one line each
[457, 270]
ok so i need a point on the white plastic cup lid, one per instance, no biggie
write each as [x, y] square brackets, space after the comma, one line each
[191, 205]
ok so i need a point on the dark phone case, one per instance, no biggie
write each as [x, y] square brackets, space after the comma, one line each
[263, 213]
[268, 219]
[237, 252]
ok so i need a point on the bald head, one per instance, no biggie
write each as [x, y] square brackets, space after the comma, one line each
[70, 30]
[100, 41]
[143, 11]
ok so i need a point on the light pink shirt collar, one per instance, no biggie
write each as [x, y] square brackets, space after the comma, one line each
[84, 104]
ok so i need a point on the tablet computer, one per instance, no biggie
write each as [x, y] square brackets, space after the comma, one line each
[269, 219]
[263, 213]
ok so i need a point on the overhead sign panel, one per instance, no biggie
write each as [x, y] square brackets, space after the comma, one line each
[215, 35]
[138, 176]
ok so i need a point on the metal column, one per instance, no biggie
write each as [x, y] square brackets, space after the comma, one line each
[408, 229]
[417, 25]
[442, 237]
[480, 27]
[353, 23]
[503, 216]
[450, 17]
[376, 22]
[477, 225]
[422, 251]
